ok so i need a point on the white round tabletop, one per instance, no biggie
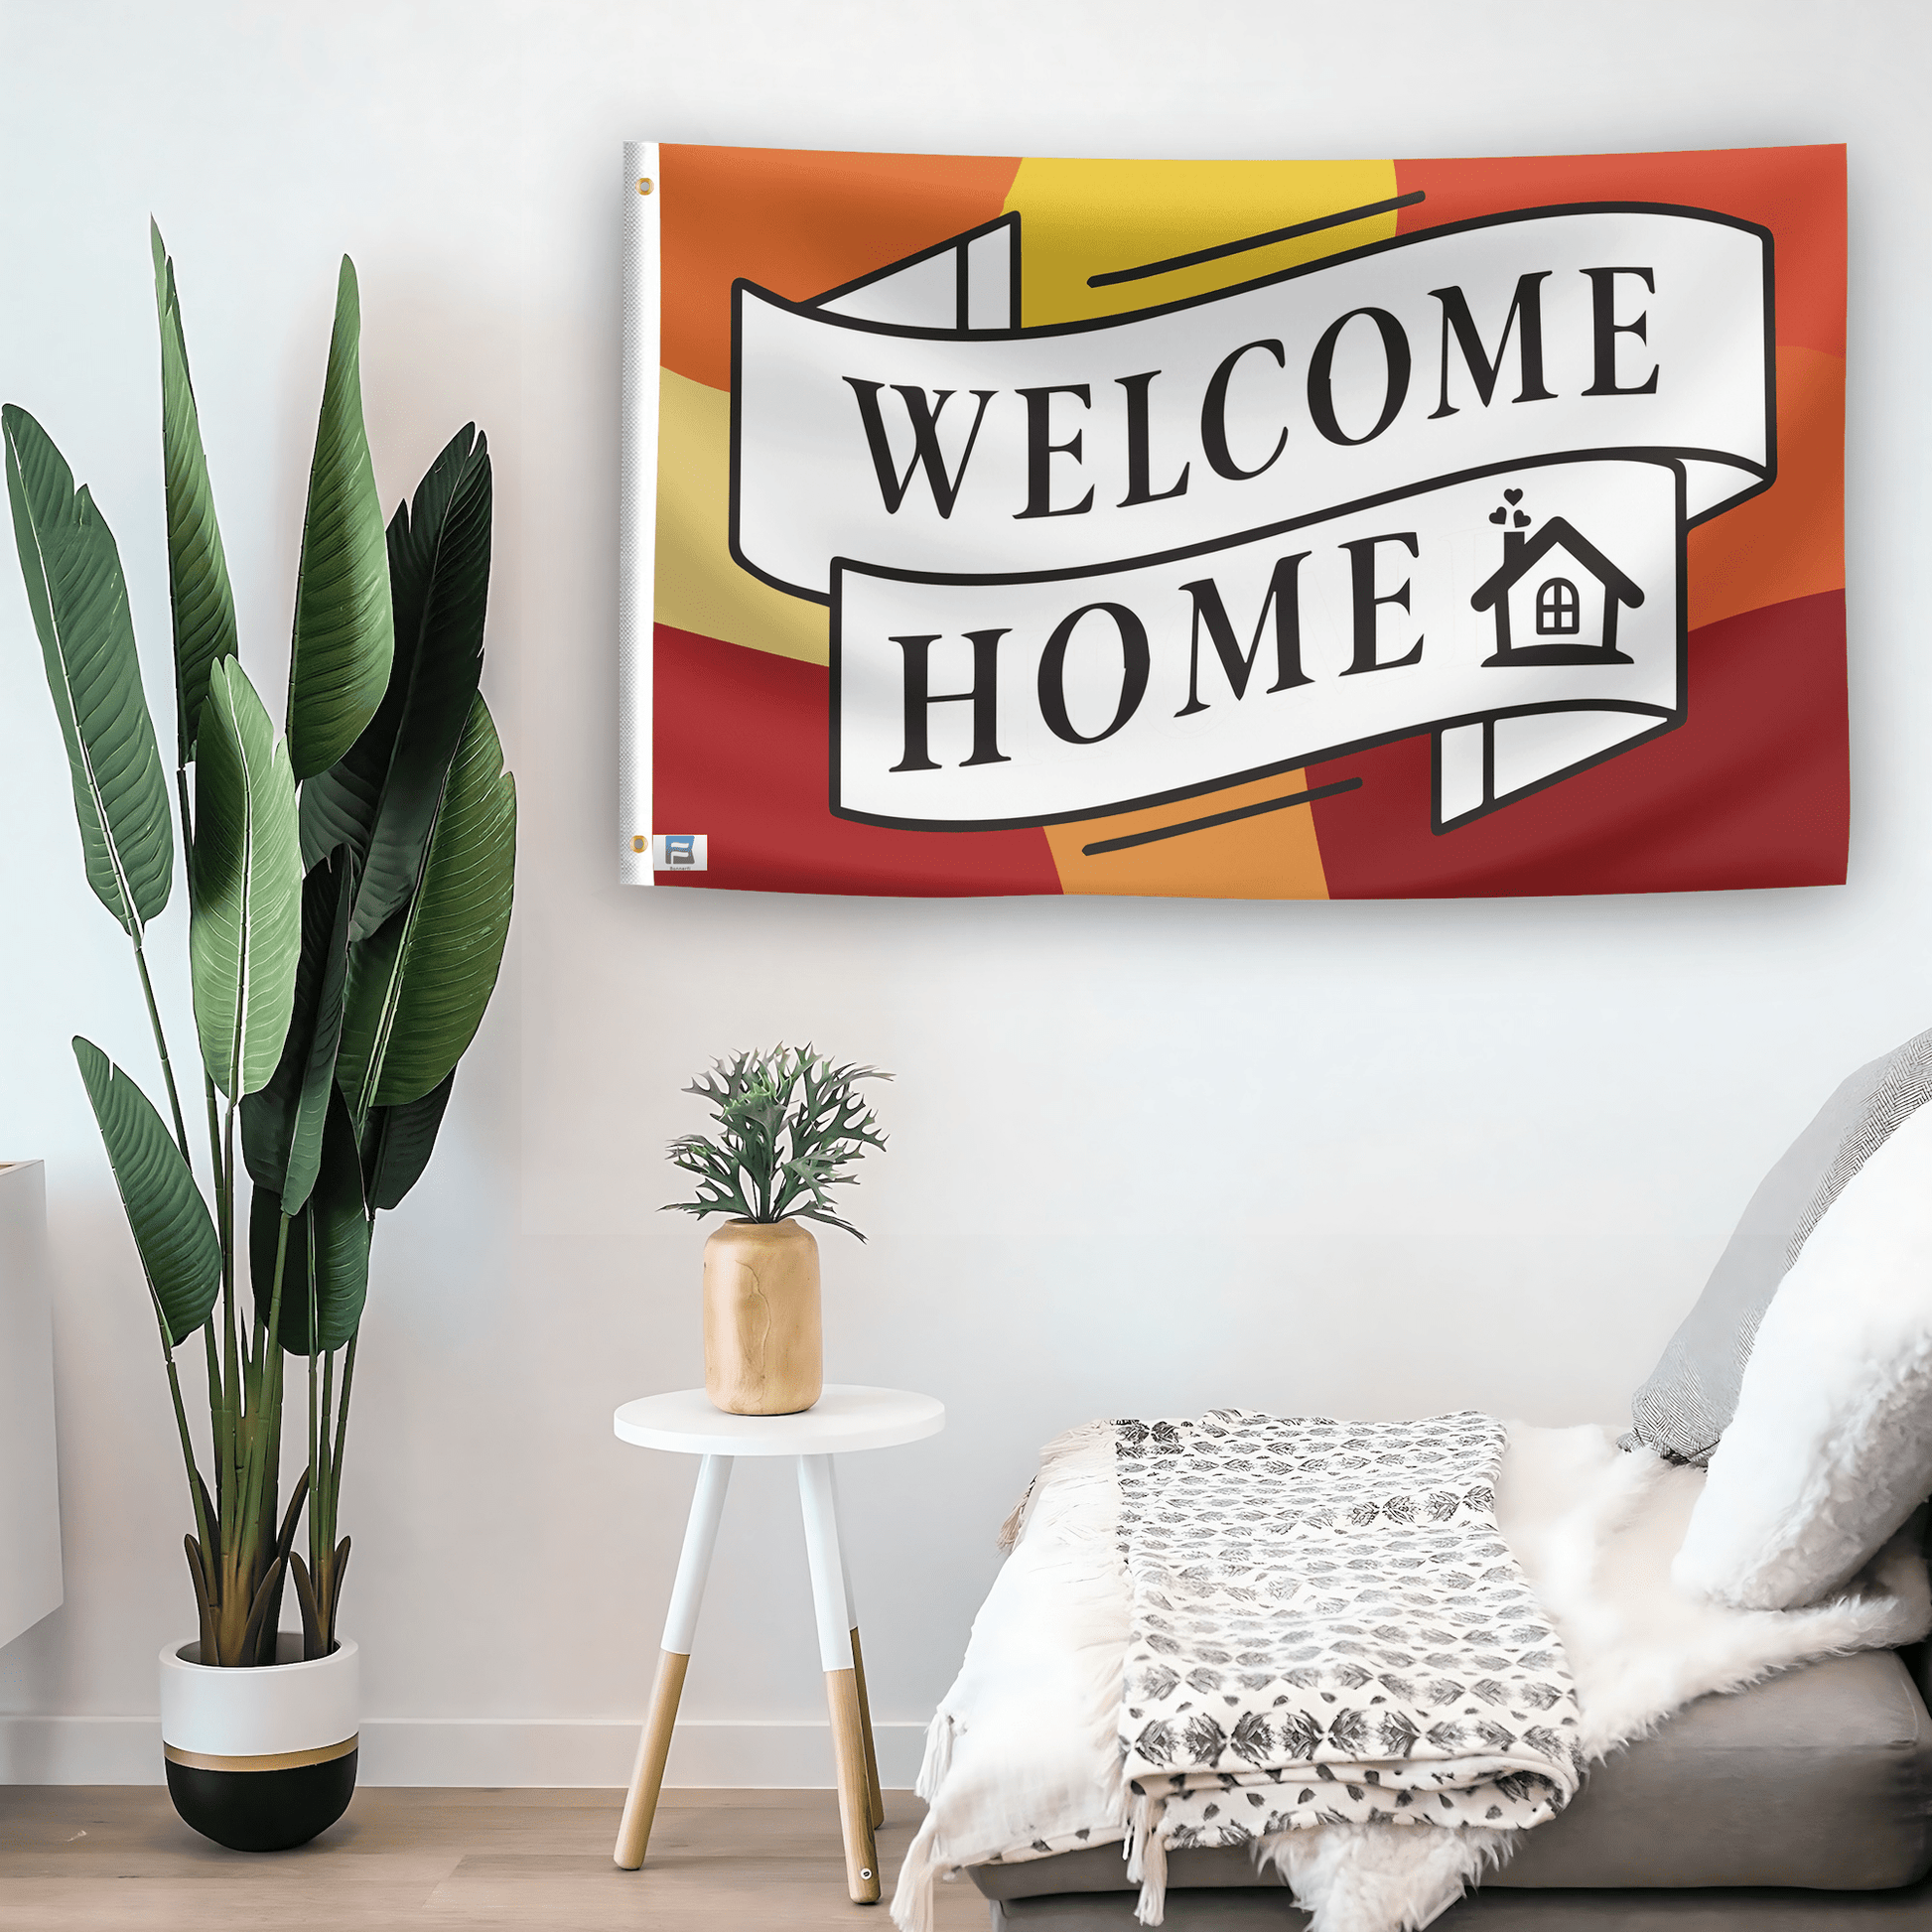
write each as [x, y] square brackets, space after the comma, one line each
[844, 1418]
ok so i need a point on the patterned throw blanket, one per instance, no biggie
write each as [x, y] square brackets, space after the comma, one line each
[1326, 1628]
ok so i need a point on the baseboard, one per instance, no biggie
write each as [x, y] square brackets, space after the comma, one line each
[481, 1751]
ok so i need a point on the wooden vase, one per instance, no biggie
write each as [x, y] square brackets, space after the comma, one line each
[764, 1348]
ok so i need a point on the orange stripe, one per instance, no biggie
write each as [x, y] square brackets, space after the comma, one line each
[1790, 541]
[1274, 855]
[798, 221]
[1796, 192]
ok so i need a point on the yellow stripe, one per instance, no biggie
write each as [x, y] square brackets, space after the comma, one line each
[1091, 217]
[699, 588]
[268, 1761]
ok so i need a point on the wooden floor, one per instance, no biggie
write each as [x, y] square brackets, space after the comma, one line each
[115, 1856]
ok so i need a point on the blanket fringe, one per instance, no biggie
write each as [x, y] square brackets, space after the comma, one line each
[913, 1895]
[1015, 1519]
[1147, 1856]
[938, 1756]
[1085, 1451]
[1153, 1907]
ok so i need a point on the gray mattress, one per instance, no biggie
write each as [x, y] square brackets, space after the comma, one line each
[1816, 1783]
[1250, 1910]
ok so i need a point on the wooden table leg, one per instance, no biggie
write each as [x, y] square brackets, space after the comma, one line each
[877, 1797]
[820, 1510]
[859, 1673]
[680, 1626]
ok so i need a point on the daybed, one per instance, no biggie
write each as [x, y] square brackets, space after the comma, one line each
[1747, 1744]
[1804, 1801]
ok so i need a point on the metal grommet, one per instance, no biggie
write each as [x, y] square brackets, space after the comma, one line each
[865, 1873]
[644, 184]
[639, 843]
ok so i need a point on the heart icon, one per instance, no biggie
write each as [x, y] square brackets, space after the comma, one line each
[1498, 517]
[1522, 521]
[1512, 496]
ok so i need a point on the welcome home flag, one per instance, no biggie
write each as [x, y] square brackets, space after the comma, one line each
[1247, 529]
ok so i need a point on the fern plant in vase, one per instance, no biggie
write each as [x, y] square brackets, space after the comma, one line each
[789, 1126]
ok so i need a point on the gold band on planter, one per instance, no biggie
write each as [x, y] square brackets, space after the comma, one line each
[270, 1761]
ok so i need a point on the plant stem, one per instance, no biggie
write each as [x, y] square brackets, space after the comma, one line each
[213, 1139]
[322, 1440]
[230, 1346]
[161, 1048]
[217, 1400]
[341, 1424]
[322, 1522]
[220, 1396]
[322, 1502]
[186, 1451]
[317, 1433]
[265, 1414]
[269, 1360]
[233, 1414]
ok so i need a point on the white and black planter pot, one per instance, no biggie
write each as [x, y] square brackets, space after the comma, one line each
[262, 1759]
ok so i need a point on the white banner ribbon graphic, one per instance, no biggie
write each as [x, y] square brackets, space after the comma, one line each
[1440, 484]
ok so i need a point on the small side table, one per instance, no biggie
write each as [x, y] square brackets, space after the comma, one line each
[842, 1420]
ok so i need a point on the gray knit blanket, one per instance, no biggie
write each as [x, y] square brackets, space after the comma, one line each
[1327, 1627]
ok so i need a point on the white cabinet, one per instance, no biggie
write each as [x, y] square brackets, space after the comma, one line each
[30, 1498]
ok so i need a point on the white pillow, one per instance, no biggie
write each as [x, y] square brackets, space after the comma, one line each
[1831, 1448]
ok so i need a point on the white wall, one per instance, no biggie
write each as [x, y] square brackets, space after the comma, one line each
[1147, 1156]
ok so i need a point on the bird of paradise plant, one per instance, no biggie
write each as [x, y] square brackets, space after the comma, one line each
[349, 889]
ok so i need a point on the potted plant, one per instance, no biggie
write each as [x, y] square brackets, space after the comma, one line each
[349, 889]
[790, 1128]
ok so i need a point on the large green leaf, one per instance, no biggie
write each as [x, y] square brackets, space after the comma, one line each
[380, 796]
[345, 634]
[78, 598]
[328, 1255]
[417, 989]
[244, 934]
[281, 1125]
[198, 569]
[180, 1254]
[397, 1144]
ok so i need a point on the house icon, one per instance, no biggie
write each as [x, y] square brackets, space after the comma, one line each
[1556, 599]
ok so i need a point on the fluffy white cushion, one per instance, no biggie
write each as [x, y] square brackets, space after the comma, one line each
[1830, 1447]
